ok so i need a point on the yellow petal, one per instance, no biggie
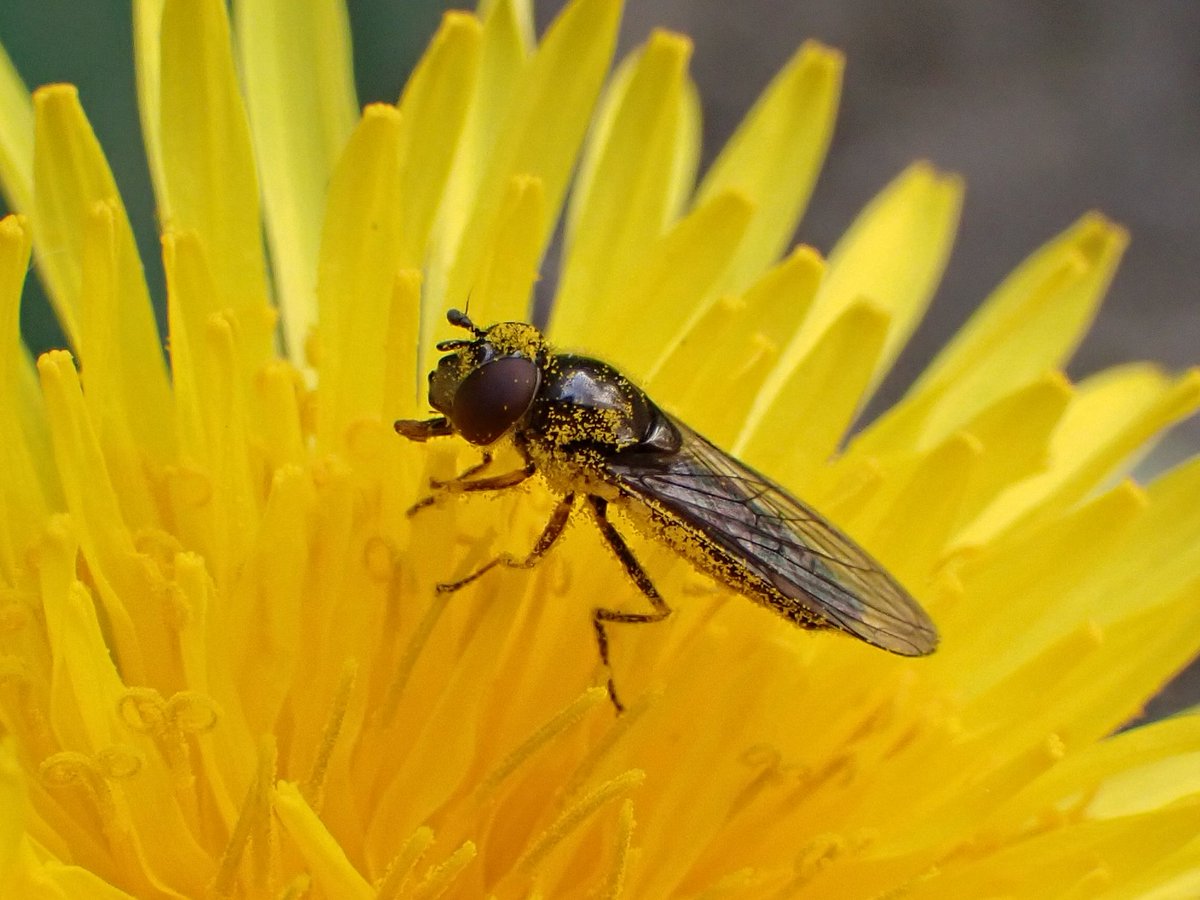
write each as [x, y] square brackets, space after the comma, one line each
[217, 483]
[210, 184]
[1024, 592]
[1149, 766]
[265, 606]
[147, 50]
[503, 57]
[1086, 860]
[1084, 684]
[72, 179]
[894, 252]
[774, 156]
[1147, 788]
[280, 390]
[247, 859]
[1165, 537]
[1125, 408]
[741, 378]
[404, 383]
[893, 255]
[543, 131]
[226, 753]
[910, 536]
[92, 501]
[677, 278]
[508, 44]
[105, 379]
[508, 267]
[625, 194]
[55, 880]
[326, 861]
[296, 66]
[15, 244]
[86, 687]
[803, 425]
[360, 248]
[189, 289]
[433, 110]
[1112, 415]
[1015, 432]
[441, 752]
[650, 88]
[767, 313]
[23, 455]
[13, 803]
[16, 138]
[1140, 625]
[1031, 322]
[1177, 876]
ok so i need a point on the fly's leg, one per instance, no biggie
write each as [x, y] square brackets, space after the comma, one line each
[602, 616]
[465, 474]
[465, 483]
[551, 533]
[421, 430]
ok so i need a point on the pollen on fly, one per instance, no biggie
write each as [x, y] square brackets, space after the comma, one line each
[598, 440]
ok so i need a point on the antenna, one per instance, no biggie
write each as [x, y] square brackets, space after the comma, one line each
[460, 319]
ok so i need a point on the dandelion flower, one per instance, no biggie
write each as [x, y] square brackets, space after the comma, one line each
[225, 670]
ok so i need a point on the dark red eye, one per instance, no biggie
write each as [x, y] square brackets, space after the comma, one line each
[492, 398]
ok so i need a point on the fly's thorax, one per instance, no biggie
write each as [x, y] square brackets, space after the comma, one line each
[583, 401]
[562, 424]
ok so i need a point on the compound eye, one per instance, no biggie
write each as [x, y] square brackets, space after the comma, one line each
[492, 398]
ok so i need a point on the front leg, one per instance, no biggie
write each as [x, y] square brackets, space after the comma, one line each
[463, 483]
[421, 430]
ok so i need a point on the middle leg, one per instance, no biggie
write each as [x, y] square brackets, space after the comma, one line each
[602, 616]
[551, 533]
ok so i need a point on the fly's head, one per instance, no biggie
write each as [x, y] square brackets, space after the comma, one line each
[486, 383]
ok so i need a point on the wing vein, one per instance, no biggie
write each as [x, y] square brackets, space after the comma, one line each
[801, 563]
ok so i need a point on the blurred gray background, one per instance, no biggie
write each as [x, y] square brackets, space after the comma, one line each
[1047, 109]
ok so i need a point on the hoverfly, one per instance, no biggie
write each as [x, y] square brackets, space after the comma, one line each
[594, 436]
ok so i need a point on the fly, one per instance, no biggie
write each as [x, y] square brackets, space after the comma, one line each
[599, 441]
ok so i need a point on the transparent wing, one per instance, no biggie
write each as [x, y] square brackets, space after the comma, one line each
[818, 571]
